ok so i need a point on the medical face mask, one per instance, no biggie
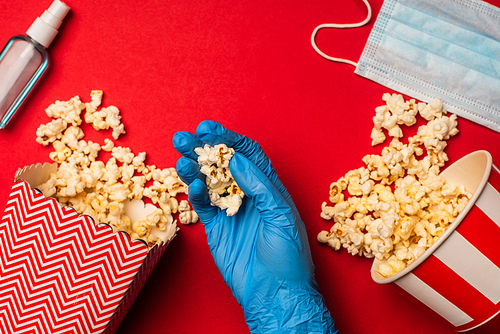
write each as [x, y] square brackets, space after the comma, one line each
[427, 49]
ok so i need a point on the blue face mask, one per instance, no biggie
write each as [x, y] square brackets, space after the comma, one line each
[427, 49]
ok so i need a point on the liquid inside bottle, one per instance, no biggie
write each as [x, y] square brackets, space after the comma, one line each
[21, 62]
[24, 59]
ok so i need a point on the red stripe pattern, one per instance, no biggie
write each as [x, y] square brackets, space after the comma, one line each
[140, 279]
[479, 232]
[494, 178]
[60, 272]
[485, 238]
[456, 290]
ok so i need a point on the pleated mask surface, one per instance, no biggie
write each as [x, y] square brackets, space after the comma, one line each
[427, 49]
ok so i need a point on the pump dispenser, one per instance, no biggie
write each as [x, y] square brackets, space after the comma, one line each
[24, 59]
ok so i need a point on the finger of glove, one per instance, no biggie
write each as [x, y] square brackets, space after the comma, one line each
[198, 197]
[267, 199]
[185, 143]
[214, 133]
[188, 170]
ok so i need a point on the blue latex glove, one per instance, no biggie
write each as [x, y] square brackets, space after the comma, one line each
[262, 252]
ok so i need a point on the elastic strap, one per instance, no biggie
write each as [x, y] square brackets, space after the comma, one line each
[342, 25]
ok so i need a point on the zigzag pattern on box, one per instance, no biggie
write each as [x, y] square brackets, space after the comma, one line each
[154, 256]
[60, 272]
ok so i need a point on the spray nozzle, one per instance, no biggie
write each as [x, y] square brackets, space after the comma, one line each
[44, 29]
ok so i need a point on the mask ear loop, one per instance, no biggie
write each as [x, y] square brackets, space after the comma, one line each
[342, 25]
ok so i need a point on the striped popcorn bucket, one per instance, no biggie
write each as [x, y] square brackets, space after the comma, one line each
[459, 275]
[59, 271]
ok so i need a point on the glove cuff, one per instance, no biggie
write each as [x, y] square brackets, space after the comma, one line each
[291, 311]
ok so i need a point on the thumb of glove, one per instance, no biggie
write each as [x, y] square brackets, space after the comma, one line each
[198, 196]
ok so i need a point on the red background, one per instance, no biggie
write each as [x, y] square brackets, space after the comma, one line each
[248, 64]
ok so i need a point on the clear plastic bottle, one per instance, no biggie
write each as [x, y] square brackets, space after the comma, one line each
[24, 59]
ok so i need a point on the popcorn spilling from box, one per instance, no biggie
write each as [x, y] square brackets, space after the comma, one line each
[222, 189]
[397, 205]
[102, 189]
[82, 232]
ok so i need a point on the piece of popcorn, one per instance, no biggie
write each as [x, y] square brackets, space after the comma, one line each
[138, 161]
[89, 148]
[162, 226]
[443, 128]
[88, 177]
[118, 130]
[328, 212]
[108, 145]
[323, 236]
[167, 203]
[127, 172]
[431, 110]
[377, 136]
[184, 206]
[336, 192]
[230, 203]
[48, 188]
[112, 116]
[122, 154]
[140, 229]
[96, 97]
[188, 217]
[396, 223]
[175, 185]
[105, 118]
[391, 267]
[50, 132]
[223, 190]
[98, 118]
[137, 186]
[71, 136]
[354, 186]
[69, 111]
[61, 152]
[150, 193]
[395, 131]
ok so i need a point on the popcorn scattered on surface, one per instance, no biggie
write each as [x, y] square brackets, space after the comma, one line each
[104, 118]
[100, 189]
[222, 189]
[397, 205]
[186, 215]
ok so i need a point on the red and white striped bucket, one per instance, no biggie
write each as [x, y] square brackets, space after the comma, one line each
[459, 275]
[59, 271]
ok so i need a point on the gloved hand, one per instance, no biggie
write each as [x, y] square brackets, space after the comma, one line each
[262, 252]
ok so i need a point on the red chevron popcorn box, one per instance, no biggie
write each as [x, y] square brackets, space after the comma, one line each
[61, 272]
[459, 275]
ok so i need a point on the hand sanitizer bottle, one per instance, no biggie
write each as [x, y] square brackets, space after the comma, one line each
[24, 59]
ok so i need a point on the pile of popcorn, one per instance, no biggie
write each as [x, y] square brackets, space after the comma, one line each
[222, 189]
[101, 189]
[397, 205]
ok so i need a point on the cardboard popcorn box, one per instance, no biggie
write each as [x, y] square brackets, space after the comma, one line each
[60, 272]
[459, 275]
